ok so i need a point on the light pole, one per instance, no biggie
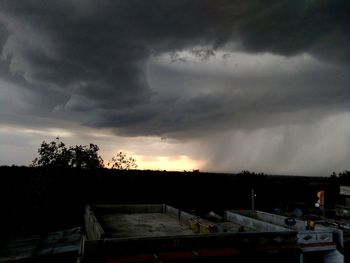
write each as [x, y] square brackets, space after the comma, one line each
[253, 199]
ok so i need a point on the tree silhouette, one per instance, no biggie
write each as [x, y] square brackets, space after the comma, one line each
[56, 154]
[122, 162]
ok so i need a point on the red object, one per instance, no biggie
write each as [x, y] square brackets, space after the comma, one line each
[219, 252]
[131, 259]
[320, 196]
[177, 255]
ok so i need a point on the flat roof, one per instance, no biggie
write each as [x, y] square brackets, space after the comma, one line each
[127, 229]
[140, 221]
[132, 221]
[141, 225]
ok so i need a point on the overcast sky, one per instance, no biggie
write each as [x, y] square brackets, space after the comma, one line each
[215, 85]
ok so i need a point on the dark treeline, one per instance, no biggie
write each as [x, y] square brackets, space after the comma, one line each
[38, 200]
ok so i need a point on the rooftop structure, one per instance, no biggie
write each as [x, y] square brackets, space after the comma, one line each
[327, 241]
[161, 233]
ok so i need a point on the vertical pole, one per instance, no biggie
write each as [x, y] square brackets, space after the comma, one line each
[253, 208]
[324, 208]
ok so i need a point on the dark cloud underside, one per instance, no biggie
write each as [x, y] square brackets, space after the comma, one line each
[86, 61]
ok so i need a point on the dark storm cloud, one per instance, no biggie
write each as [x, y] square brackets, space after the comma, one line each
[86, 60]
[290, 26]
[260, 102]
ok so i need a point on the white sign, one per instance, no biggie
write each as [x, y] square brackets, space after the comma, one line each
[345, 190]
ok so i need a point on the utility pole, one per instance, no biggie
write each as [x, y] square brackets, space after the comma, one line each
[324, 209]
[253, 197]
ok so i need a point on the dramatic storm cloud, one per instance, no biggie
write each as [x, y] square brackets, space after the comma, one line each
[217, 76]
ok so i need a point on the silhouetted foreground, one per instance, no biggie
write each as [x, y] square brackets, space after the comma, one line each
[36, 200]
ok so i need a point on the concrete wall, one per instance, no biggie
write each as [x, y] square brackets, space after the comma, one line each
[182, 216]
[338, 237]
[279, 220]
[128, 209]
[333, 256]
[93, 228]
[301, 227]
[313, 236]
[198, 225]
[258, 225]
